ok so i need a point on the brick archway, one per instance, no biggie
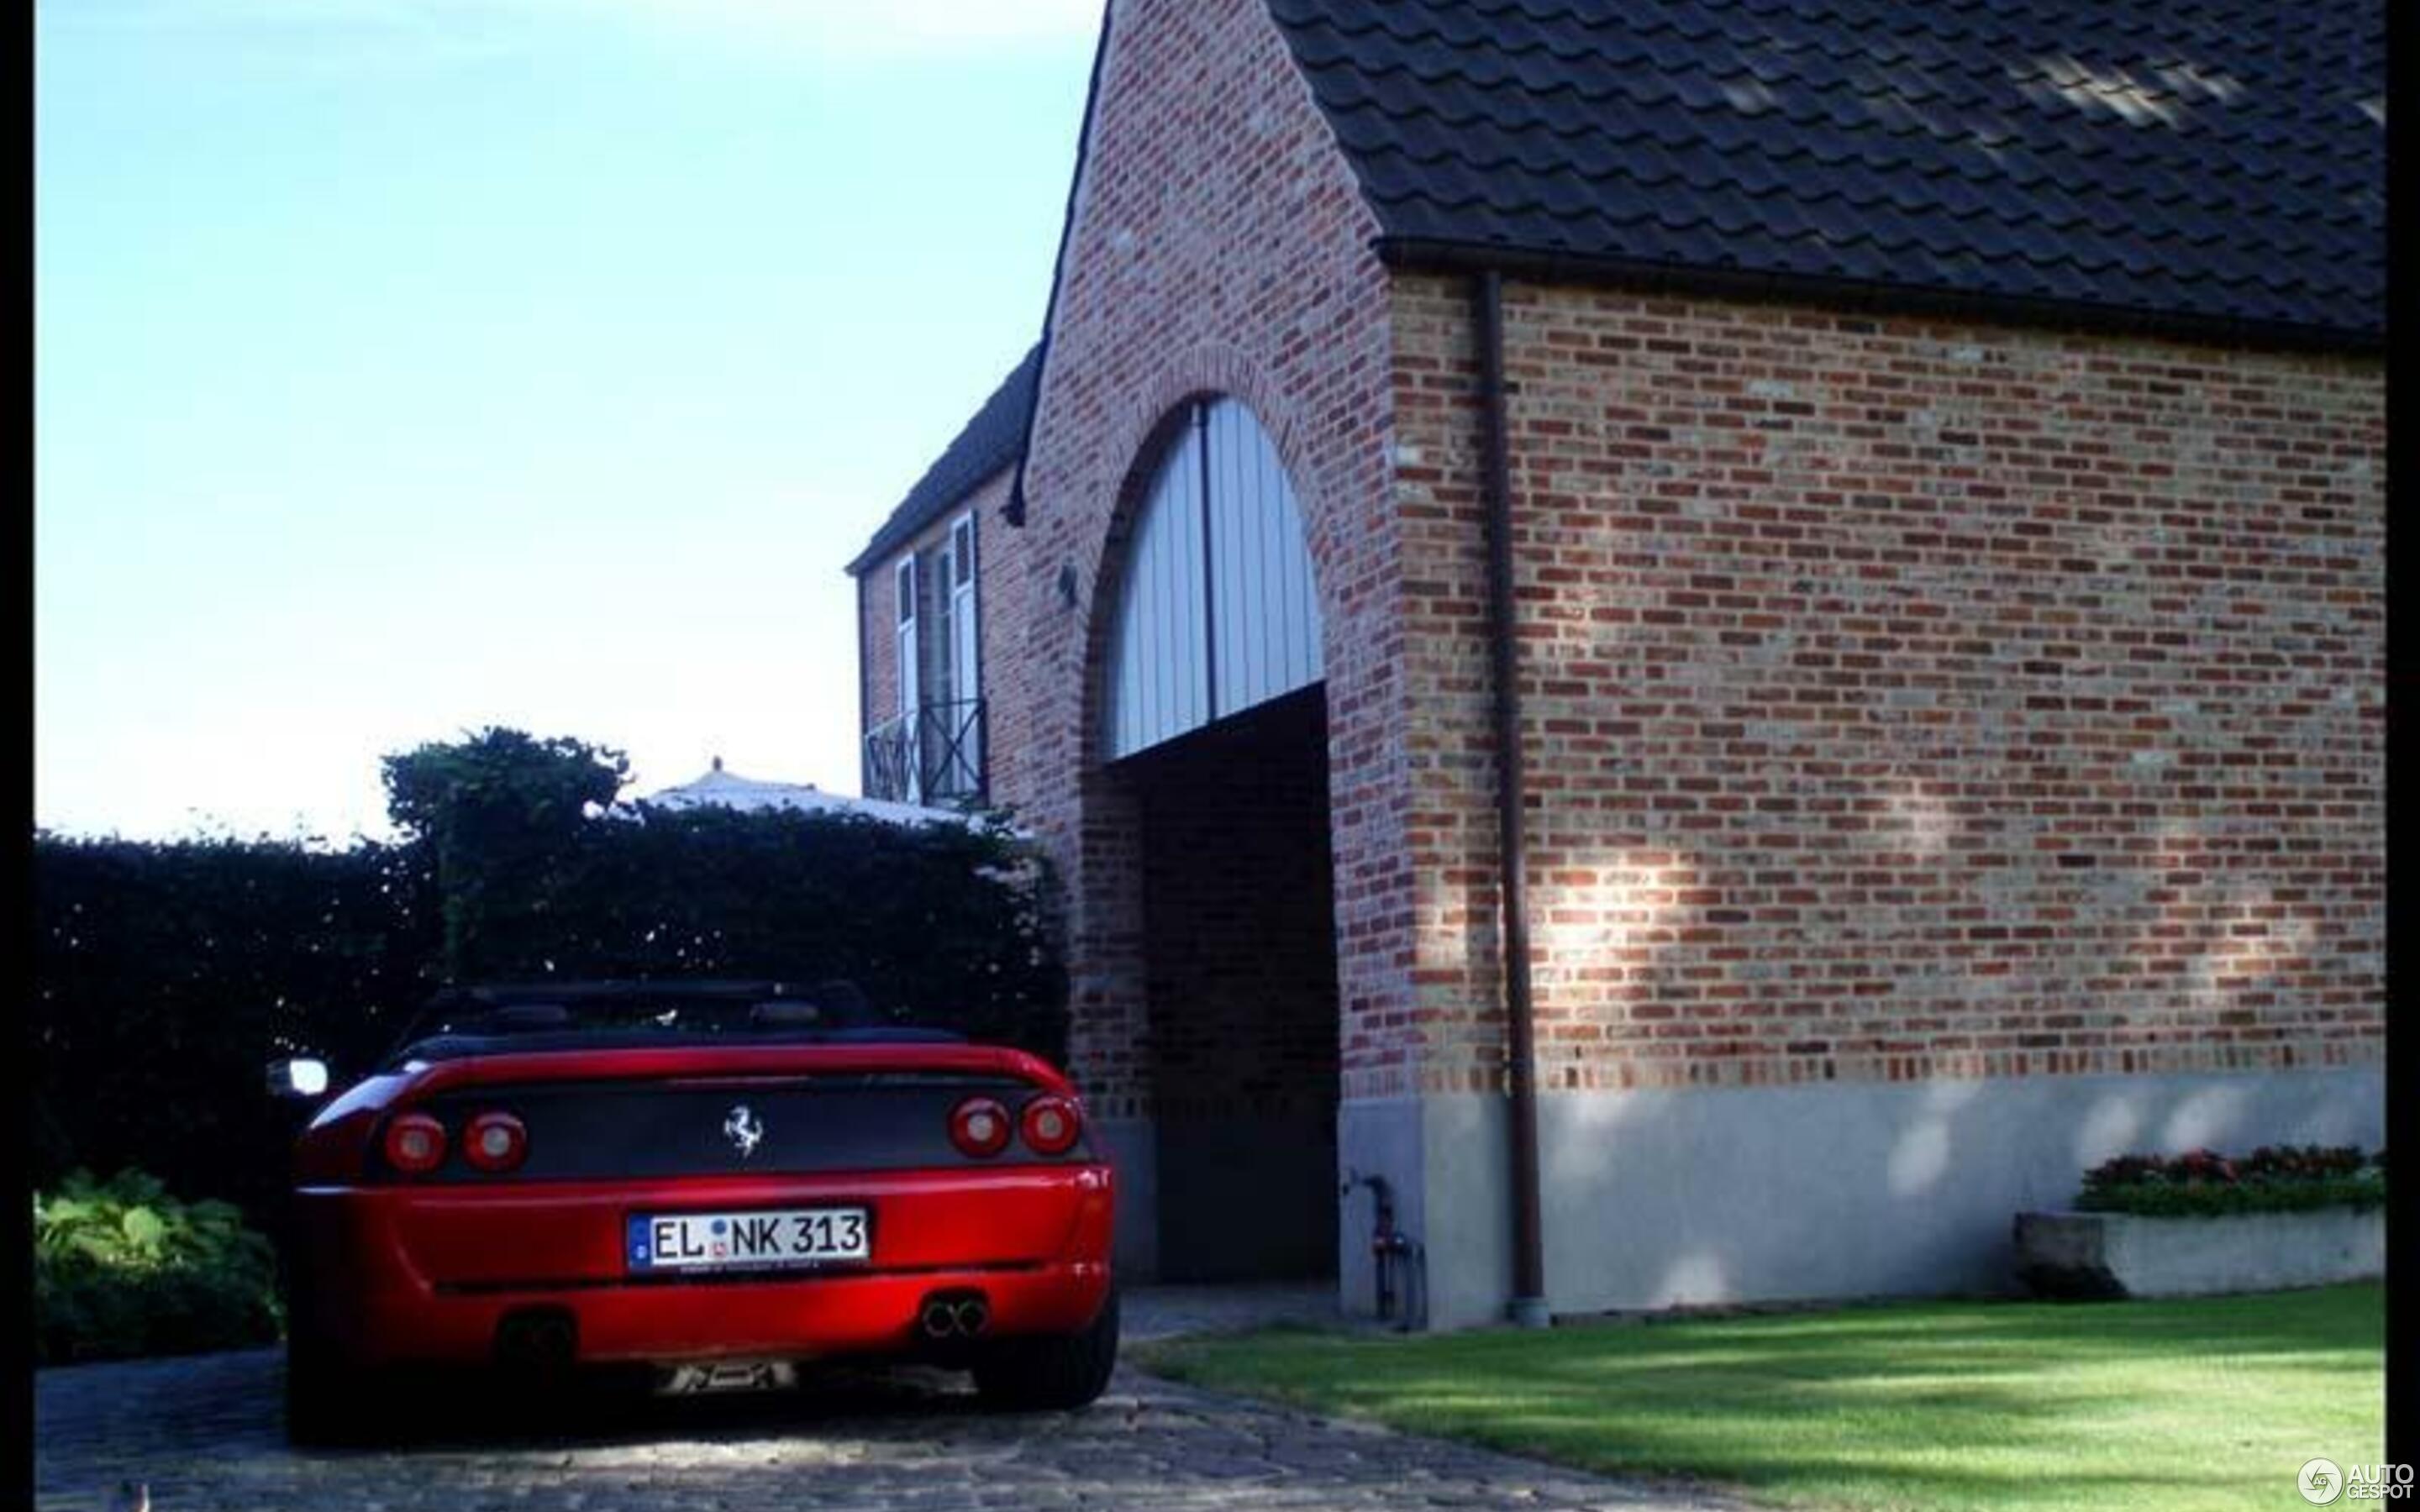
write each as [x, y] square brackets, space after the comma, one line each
[1206, 989]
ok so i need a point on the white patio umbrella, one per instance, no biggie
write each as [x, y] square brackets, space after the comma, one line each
[730, 789]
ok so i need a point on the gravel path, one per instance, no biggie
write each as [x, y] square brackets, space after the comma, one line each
[203, 1432]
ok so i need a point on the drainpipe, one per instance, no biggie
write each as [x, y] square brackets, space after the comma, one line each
[1529, 1305]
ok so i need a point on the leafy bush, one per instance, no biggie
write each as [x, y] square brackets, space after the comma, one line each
[2203, 1182]
[122, 1269]
[496, 813]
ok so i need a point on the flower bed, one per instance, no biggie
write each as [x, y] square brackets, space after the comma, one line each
[2203, 1182]
[2201, 1223]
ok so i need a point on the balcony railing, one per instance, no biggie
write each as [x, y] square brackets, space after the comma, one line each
[933, 756]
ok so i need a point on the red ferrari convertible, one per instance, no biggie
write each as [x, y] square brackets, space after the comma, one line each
[715, 1180]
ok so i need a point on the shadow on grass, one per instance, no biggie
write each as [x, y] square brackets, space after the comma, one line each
[1940, 1405]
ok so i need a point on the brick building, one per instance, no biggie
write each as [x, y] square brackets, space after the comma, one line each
[1924, 469]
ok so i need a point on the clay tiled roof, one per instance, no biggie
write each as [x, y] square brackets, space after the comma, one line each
[2209, 161]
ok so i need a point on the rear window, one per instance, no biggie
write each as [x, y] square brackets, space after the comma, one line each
[603, 1015]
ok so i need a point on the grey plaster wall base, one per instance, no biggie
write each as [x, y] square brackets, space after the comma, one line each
[1657, 1199]
[1444, 1158]
[1132, 1146]
[1380, 1138]
[2129, 1254]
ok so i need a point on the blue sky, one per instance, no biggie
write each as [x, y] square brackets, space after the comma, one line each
[404, 366]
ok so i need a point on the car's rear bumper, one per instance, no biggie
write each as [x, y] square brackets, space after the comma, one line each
[431, 1273]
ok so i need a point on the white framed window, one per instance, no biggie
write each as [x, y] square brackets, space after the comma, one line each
[902, 579]
[965, 716]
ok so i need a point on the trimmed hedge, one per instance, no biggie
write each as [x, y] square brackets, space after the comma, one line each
[2204, 1183]
[121, 1269]
[943, 924]
[167, 974]
[541, 877]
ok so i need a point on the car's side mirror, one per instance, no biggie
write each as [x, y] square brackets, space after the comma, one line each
[300, 1077]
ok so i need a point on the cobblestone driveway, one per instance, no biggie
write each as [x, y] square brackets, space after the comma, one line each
[204, 1433]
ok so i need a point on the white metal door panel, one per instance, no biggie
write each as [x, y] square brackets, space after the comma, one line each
[1263, 604]
[1216, 609]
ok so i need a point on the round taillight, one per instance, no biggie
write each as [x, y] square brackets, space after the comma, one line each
[1049, 1125]
[415, 1144]
[980, 1127]
[495, 1141]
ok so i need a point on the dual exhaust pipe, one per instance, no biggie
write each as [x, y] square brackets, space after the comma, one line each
[546, 1340]
[947, 1315]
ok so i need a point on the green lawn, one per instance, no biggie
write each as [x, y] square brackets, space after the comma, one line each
[2208, 1403]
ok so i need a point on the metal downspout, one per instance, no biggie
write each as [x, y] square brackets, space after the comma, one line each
[1529, 1304]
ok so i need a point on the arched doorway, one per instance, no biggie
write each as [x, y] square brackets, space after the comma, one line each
[1214, 722]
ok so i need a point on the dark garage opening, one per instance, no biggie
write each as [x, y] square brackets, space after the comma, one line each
[1240, 946]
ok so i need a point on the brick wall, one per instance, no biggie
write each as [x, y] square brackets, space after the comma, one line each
[1219, 245]
[878, 670]
[1904, 699]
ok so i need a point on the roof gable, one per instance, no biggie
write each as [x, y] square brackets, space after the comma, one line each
[989, 441]
[2218, 163]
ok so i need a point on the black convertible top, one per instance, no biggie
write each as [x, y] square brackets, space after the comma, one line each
[495, 1018]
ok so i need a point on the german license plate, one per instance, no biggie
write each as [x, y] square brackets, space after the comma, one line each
[745, 1240]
